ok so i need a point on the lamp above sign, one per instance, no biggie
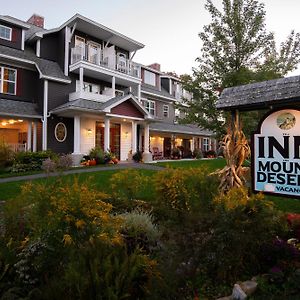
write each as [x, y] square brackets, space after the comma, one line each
[276, 154]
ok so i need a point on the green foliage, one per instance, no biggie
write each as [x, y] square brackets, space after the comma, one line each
[98, 154]
[237, 49]
[6, 155]
[62, 239]
[31, 161]
[139, 229]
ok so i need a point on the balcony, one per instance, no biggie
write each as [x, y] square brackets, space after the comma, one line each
[106, 95]
[105, 58]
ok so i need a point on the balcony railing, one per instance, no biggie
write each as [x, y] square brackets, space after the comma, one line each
[18, 147]
[89, 96]
[112, 62]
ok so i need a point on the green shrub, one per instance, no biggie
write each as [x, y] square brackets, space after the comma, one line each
[139, 230]
[6, 155]
[31, 161]
[98, 154]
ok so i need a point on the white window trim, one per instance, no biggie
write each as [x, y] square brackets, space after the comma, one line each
[206, 142]
[154, 106]
[2, 80]
[166, 109]
[10, 33]
[149, 77]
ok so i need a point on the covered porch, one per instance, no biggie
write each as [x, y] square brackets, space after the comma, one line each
[20, 125]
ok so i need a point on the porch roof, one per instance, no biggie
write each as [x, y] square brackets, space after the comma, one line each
[19, 109]
[178, 128]
[101, 107]
[276, 92]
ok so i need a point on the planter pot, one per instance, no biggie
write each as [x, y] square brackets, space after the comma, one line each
[92, 162]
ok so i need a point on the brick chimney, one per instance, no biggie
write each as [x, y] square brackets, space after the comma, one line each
[36, 20]
[155, 66]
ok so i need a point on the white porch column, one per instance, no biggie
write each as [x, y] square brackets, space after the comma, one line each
[140, 140]
[139, 92]
[192, 144]
[76, 135]
[29, 133]
[106, 133]
[81, 79]
[45, 115]
[113, 86]
[133, 136]
[34, 142]
[147, 156]
[170, 86]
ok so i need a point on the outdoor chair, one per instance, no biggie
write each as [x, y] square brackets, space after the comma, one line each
[156, 154]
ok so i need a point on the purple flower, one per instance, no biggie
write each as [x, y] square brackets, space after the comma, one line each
[275, 270]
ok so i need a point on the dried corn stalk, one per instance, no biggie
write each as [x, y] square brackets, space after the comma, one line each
[236, 150]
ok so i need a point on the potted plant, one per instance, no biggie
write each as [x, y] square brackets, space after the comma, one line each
[137, 156]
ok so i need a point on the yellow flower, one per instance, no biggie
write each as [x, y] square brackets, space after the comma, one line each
[67, 239]
[24, 242]
[79, 224]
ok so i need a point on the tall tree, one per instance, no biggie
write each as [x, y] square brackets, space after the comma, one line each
[237, 49]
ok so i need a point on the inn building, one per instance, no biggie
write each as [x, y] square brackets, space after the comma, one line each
[76, 86]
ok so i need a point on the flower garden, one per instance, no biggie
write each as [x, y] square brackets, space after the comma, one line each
[141, 234]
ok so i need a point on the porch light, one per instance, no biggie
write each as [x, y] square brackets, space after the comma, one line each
[11, 121]
[126, 134]
[20, 121]
[4, 123]
[89, 131]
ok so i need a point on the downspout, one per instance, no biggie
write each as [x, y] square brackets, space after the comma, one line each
[45, 116]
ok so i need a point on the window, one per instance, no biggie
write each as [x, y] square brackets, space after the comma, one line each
[150, 106]
[149, 78]
[8, 80]
[5, 32]
[60, 132]
[205, 144]
[166, 111]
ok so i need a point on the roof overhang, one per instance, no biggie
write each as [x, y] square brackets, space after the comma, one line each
[14, 22]
[99, 31]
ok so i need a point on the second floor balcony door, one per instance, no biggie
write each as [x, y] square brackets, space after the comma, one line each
[93, 53]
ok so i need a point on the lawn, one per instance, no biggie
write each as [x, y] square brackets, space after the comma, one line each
[101, 181]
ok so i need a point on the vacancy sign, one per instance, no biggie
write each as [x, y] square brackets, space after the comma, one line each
[276, 154]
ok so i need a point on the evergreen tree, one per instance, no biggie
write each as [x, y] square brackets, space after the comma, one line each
[237, 49]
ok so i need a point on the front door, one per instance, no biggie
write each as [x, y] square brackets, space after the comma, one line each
[186, 144]
[115, 137]
[167, 147]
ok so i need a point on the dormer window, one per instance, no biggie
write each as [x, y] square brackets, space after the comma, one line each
[5, 33]
[149, 78]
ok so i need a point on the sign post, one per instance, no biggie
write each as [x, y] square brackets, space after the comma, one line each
[276, 154]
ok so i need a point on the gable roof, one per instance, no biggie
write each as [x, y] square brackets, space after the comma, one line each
[261, 94]
[105, 107]
[47, 69]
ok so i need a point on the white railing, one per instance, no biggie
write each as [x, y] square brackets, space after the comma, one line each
[18, 147]
[89, 96]
[113, 62]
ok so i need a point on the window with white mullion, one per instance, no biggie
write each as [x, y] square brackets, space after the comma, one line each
[8, 81]
[5, 33]
[150, 106]
[166, 111]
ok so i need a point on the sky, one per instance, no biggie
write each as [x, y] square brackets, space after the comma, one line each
[168, 28]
